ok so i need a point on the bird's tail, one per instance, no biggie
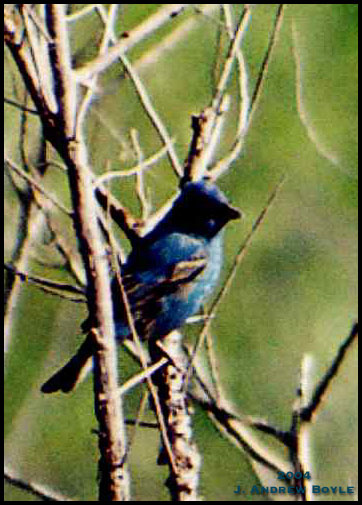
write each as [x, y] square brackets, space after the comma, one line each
[67, 377]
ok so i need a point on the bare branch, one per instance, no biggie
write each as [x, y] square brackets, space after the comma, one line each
[20, 106]
[53, 286]
[13, 36]
[60, 60]
[232, 52]
[60, 131]
[36, 185]
[150, 25]
[153, 115]
[240, 435]
[206, 133]
[248, 109]
[167, 44]
[264, 67]
[136, 170]
[321, 390]
[186, 461]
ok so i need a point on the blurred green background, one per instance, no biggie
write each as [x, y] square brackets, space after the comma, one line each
[294, 293]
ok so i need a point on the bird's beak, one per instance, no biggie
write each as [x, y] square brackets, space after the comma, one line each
[232, 212]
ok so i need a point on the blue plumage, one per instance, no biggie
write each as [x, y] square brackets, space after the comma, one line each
[168, 274]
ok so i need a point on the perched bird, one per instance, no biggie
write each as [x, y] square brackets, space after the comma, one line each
[168, 274]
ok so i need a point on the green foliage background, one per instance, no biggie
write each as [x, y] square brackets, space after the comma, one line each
[295, 292]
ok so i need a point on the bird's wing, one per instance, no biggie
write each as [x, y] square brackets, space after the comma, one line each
[141, 284]
[167, 264]
[168, 267]
[146, 291]
[171, 265]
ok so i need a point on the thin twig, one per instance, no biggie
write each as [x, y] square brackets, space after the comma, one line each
[167, 43]
[136, 170]
[36, 185]
[142, 376]
[153, 115]
[109, 21]
[238, 433]
[81, 12]
[244, 106]
[310, 410]
[230, 58]
[142, 31]
[138, 421]
[13, 36]
[38, 22]
[143, 361]
[60, 61]
[20, 106]
[248, 108]
[53, 286]
[264, 67]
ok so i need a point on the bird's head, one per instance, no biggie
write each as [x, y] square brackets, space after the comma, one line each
[201, 209]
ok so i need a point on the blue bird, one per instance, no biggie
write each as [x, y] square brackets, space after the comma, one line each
[169, 273]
